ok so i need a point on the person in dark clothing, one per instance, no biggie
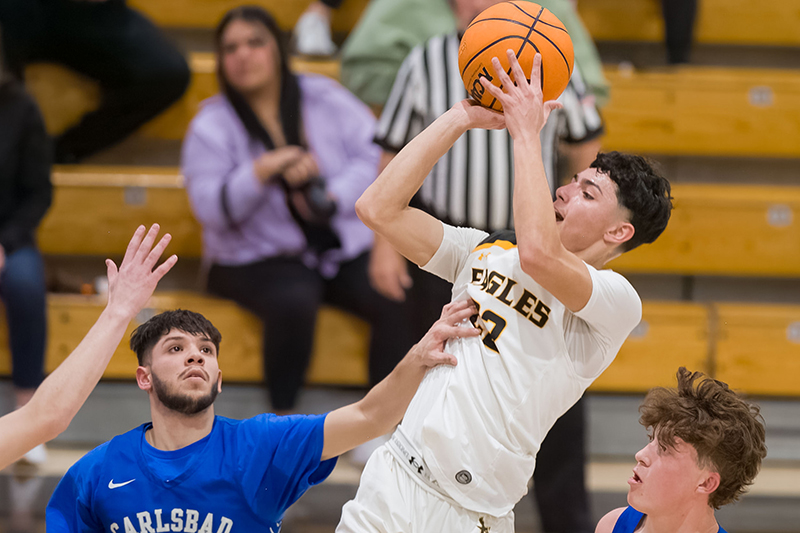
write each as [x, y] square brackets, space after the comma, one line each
[679, 20]
[25, 195]
[140, 72]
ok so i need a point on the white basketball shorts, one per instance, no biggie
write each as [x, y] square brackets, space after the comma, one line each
[391, 499]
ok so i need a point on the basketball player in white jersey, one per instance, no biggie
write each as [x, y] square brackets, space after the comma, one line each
[61, 395]
[552, 320]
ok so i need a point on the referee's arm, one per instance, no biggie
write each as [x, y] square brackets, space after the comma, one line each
[384, 406]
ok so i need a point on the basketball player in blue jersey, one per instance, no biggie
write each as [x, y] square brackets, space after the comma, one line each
[61, 395]
[552, 318]
[706, 447]
[189, 470]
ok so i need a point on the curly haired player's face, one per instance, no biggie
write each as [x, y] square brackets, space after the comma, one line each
[587, 211]
[668, 477]
[249, 55]
[183, 372]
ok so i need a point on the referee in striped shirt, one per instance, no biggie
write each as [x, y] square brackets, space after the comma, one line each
[472, 186]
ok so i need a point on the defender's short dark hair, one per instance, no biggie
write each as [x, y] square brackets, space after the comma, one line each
[726, 431]
[147, 335]
[642, 191]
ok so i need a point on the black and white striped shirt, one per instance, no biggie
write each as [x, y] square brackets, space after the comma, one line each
[473, 183]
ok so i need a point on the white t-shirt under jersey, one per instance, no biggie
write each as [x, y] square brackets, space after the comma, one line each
[480, 424]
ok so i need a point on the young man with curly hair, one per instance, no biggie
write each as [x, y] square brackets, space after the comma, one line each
[706, 447]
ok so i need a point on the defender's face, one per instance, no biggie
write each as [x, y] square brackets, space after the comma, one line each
[665, 478]
[249, 55]
[184, 370]
[586, 209]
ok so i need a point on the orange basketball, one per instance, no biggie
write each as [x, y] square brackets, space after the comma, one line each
[525, 28]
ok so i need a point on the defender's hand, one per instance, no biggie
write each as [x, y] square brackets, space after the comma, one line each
[430, 350]
[130, 286]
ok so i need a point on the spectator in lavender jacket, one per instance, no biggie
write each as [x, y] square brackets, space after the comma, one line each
[273, 168]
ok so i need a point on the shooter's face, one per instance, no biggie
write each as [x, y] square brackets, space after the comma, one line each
[587, 209]
[183, 373]
[249, 55]
[666, 478]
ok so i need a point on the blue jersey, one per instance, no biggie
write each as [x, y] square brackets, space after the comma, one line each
[630, 519]
[240, 478]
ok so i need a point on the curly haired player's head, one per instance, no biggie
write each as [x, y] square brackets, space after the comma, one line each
[726, 432]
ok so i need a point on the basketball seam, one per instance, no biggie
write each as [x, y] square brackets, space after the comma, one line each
[554, 46]
[540, 21]
[479, 52]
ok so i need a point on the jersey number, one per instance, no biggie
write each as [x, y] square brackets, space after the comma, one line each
[498, 324]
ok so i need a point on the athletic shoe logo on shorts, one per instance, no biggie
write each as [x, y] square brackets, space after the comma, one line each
[464, 477]
[112, 485]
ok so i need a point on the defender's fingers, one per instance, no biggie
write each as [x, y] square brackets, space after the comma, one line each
[155, 253]
[165, 267]
[147, 242]
[516, 69]
[505, 81]
[455, 307]
[447, 359]
[460, 316]
[111, 271]
[134, 243]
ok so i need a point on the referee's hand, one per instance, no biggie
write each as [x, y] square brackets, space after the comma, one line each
[454, 323]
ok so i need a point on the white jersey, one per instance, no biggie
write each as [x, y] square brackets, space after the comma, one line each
[480, 424]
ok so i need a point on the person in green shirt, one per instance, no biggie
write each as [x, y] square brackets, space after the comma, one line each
[389, 29]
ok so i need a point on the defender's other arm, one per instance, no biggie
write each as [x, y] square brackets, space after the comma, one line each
[62, 394]
[384, 406]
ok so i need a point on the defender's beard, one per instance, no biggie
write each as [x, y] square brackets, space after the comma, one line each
[183, 403]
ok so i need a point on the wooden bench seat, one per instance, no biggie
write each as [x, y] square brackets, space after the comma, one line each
[704, 111]
[754, 348]
[682, 111]
[738, 22]
[339, 356]
[737, 230]
[669, 336]
[758, 348]
[718, 21]
[207, 13]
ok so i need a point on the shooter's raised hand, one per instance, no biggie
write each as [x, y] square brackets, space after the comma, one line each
[525, 112]
[130, 286]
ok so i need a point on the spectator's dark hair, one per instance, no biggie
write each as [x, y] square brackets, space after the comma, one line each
[147, 335]
[641, 190]
[726, 431]
[290, 111]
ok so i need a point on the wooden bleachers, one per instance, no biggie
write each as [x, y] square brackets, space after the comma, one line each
[339, 357]
[718, 21]
[683, 111]
[758, 348]
[736, 230]
[754, 348]
[207, 13]
[729, 230]
[704, 111]
[670, 335]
